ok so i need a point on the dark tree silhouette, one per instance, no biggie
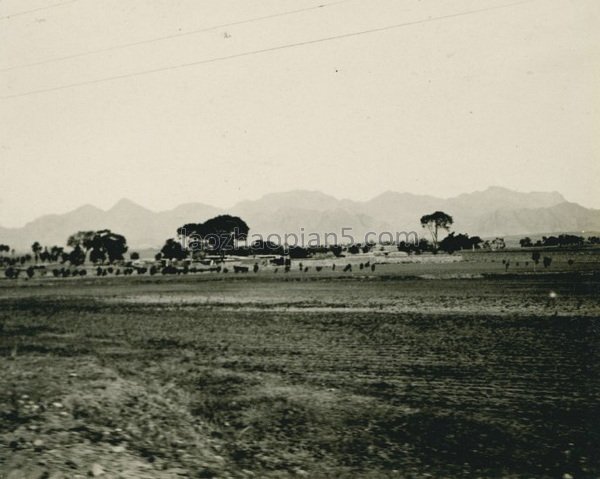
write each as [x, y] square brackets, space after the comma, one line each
[535, 256]
[97, 255]
[458, 242]
[220, 225]
[526, 242]
[77, 256]
[101, 245]
[354, 249]
[36, 248]
[435, 222]
[114, 245]
[173, 250]
[218, 233]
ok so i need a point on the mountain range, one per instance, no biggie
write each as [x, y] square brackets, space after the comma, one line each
[493, 212]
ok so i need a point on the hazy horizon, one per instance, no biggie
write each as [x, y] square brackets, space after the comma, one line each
[231, 206]
[446, 98]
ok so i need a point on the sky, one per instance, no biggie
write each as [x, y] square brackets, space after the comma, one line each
[353, 98]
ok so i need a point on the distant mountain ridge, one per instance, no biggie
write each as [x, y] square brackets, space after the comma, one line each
[495, 211]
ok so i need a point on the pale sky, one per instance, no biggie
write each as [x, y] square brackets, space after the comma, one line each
[509, 97]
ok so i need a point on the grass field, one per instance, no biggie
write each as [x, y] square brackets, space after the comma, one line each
[274, 376]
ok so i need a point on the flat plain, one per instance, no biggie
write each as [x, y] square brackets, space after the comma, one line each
[456, 374]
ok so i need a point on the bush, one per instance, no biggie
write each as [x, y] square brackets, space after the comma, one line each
[11, 273]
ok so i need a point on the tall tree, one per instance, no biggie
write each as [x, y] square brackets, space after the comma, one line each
[36, 248]
[113, 244]
[435, 222]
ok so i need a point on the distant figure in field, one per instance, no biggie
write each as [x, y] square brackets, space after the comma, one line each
[348, 268]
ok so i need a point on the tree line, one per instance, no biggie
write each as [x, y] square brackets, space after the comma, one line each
[564, 240]
[221, 234]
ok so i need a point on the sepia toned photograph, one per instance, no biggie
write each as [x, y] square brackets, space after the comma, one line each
[286, 239]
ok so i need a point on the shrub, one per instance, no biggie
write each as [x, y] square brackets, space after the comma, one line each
[10, 273]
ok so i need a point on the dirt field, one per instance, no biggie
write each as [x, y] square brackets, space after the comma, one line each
[369, 375]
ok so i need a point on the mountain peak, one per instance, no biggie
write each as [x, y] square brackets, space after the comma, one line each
[87, 209]
[493, 211]
[126, 205]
